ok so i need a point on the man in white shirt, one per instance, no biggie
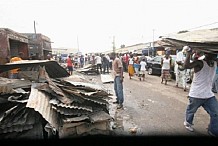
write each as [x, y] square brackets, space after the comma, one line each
[98, 63]
[180, 71]
[200, 94]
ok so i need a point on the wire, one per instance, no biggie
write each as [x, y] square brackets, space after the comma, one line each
[203, 25]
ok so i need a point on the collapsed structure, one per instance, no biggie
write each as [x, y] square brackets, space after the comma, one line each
[46, 103]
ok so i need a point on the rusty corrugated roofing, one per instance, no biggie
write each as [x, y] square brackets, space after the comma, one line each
[10, 85]
[52, 67]
[99, 116]
[59, 101]
[39, 101]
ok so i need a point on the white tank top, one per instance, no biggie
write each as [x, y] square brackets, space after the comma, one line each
[130, 60]
[166, 63]
[202, 82]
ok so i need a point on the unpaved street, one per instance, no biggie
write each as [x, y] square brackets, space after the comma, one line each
[152, 108]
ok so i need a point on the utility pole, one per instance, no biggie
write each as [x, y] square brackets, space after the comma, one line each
[35, 41]
[153, 43]
[34, 27]
[114, 51]
[78, 43]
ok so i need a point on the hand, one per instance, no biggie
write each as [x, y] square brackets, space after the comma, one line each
[121, 79]
[188, 49]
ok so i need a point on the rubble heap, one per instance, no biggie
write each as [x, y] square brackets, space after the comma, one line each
[54, 107]
[88, 69]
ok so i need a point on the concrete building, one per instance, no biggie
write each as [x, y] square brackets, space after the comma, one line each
[11, 43]
[39, 45]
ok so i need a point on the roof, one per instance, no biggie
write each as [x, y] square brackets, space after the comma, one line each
[204, 39]
[52, 67]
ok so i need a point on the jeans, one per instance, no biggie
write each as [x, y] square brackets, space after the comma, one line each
[118, 88]
[106, 67]
[210, 105]
[99, 67]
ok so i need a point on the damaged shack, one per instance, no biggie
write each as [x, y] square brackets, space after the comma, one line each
[46, 103]
[11, 43]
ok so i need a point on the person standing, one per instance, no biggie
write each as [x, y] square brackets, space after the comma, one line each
[142, 69]
[127, 61]
[165, 69]
[143, 57]
[180, 71]
[131, 70]
[123, 58]
[82, 61]
[70, 65]
[118, 81]
[105, 61]
[136, 65]
[98, 61]
[14, 72]
[200, 93]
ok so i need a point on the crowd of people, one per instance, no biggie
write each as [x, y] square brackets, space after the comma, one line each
[201, 92]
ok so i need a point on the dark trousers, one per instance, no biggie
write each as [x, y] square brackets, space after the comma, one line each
[106, 67]
[99, 67]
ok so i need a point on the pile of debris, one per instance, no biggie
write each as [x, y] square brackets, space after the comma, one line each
[52, 107]
[88, 69]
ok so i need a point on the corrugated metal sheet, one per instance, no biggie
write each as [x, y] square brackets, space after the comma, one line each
[39, 101]
[52, 67]
[85, 84]
[70, 111]
[59, 93]
[76, 119]
[17, 119]
[198, 36]
[204, 39]
[59, 102]
[88, 69]
[99, 117]
[107, 78]
[11, 85]
[71, 106]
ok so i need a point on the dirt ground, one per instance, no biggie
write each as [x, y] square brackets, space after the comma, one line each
[151, 108]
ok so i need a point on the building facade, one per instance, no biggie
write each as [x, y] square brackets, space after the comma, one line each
[11, 43]
[39, 45]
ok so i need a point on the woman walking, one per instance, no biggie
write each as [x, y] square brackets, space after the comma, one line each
[130, 67]
[165, 63]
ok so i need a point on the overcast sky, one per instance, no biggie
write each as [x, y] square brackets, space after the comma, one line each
[90, 25]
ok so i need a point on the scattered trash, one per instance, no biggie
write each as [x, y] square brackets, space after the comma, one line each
[133, 130]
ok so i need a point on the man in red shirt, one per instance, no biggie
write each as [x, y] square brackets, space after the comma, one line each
[70, 65]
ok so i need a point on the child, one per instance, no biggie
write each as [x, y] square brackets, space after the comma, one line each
[142, 69]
